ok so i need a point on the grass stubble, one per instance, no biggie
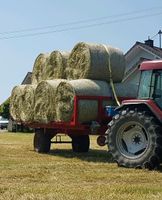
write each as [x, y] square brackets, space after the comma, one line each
[63, 174]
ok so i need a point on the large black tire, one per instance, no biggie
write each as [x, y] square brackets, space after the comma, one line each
[42, 142]
[80, 143]
[135, 140]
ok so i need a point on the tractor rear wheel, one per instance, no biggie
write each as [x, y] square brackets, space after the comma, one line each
[80, 143]
[42, 142]
[135, 140]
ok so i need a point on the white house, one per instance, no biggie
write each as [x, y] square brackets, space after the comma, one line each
[136, 54]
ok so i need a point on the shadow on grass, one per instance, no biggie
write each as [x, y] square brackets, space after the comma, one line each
[160, 168]
[93, 155]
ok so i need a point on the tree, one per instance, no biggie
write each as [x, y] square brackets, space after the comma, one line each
[4, 109]
[1, 110]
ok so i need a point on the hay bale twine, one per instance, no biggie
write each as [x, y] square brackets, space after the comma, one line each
[16, 102]
[44, 109]
[55, 65]
[27, 106]
[88, 109]
[90, 61]
[39, 65]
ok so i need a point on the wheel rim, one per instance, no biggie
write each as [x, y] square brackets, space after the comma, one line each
[132, 140]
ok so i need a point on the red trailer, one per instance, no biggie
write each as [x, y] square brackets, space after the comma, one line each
[78, 132]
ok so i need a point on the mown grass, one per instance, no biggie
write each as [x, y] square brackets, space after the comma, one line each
[62, 174]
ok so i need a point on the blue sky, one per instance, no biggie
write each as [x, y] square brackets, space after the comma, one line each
[125, 23]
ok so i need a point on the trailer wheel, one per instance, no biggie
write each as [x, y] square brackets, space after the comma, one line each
[135, 140]
[80, 143]
[42, 142]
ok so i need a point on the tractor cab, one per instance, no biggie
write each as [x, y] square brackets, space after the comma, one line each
[150, 86]
[150, 90]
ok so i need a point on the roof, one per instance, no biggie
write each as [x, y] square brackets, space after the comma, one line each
[133, 69]
[155, 50]
[27, 79]
[135, 52]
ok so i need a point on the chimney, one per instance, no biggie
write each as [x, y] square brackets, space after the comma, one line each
[149, 43]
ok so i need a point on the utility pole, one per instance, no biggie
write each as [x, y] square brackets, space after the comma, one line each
[160, 33]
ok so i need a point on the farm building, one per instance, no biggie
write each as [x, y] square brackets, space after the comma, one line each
[134, 56]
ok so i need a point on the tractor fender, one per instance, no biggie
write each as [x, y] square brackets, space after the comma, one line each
[142, 105]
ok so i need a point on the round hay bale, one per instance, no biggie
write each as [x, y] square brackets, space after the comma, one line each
[39, 65]
[44, 109]
[88, 109]
[16, 102]
[27, 106]
[91, 61]
[126, 89]
[56, 65]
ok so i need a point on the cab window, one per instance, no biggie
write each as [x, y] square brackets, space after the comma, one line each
[145, 85]
[157, 94]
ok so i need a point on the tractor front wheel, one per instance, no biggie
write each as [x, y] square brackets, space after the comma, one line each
[135, 140]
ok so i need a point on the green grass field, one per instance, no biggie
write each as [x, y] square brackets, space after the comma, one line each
[62, 174]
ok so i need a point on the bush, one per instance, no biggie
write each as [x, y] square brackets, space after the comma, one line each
[4, 109]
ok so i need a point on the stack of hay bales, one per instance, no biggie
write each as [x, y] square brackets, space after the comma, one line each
[60, 76]
[47, 66]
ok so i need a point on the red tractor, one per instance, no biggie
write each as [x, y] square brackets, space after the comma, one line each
[135, 133]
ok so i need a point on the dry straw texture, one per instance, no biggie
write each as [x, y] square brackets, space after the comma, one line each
[39, 65]
[16, 102]
[27, 106]
[55, 65]
[91, 61]
[44, 110]
[22, 103]
[88, 109]
[50, 66]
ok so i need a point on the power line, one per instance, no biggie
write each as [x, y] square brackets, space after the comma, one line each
[154, 36]
[79, 22]
[81, 27]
